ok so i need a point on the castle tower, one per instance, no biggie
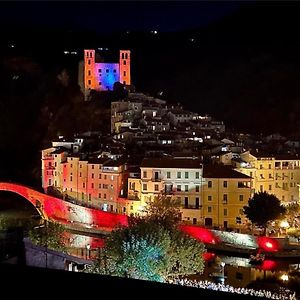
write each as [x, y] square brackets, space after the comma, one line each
[125, 67]
[89, 69]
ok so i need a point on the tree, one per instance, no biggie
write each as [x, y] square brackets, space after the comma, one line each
[263, 208]
[49, 235]
[151, 247]
[165, 211]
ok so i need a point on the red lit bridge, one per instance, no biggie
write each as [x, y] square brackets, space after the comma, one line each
[55, 209]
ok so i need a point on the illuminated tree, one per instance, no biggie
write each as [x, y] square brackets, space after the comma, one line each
[263, 208]
[49, 235]
[151, 248]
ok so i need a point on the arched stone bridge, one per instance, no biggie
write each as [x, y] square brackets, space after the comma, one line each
[55, 209]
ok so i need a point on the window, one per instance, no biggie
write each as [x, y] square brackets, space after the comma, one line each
[209, 198]
[270, 166]
[107, 70]
[194, 221]
[71, 178]
[99, 196]
[90, 197]
[49, 182]
[55, 165]
[99, 70]
[124, 73]
[93, 167]
[186, 174]
[105, 176]
[270, 175]
[124, 63]
[80, 166]
[83, 185]
[145, 174]
[186, 188]
[89, 62]
[112, 177]
[89, 82]
[122, 55]
[225, 198]
[186, 202]
[80, 174]
[178, 174]
[261, 188]
[239, 276]
[126, 55]
[178, 188]
[89, 72]
[144, 186]
[82, 196]
[100, 176]
[260, 166]
[209, 209]
[291, 184]
[104, 196]
[92, 175]
[156, 187]
[197, 175]
[225, 184]
[209, 184]
[115, 71]
[92, 185]
[131, 207]
[105, 186]
[241, 197]
[55, 183]
[251, 173]
[99, 185]
[270, 187]
[225, 211]
[168, 174]
[197, 188]
[71, 165]
[292, 175]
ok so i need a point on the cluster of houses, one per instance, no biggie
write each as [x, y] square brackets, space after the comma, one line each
[156, 148]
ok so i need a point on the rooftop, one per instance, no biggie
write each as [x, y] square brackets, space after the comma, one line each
[220, 171]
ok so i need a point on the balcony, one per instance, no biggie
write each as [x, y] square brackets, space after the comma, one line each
[191, 206]
[49, 168]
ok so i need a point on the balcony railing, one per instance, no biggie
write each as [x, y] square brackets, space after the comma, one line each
[49, 167]
[192, 206]
[47, 157]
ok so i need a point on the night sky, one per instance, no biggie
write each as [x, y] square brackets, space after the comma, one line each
[115, 16]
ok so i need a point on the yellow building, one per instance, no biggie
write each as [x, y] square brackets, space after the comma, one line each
[278, 175]
[225, 193]
[211, 196]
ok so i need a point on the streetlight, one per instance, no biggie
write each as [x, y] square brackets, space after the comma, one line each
[284, 277]
[87, 254]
